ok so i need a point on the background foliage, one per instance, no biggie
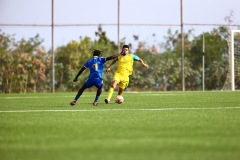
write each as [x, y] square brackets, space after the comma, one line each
[26, 65]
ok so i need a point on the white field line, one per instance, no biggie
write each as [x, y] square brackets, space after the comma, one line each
[30, 97]
[110, 110]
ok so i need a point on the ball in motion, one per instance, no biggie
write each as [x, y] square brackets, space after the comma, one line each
[119, 99]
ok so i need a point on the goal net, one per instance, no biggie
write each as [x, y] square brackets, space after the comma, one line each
[235, 60]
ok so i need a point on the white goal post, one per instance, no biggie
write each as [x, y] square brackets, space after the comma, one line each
[233, 50]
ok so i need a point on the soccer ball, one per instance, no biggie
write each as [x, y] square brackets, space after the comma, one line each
[119, 99]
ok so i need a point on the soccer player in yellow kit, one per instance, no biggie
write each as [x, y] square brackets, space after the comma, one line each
[124, 70]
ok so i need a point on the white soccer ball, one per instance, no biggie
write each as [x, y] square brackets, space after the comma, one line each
[119, 99]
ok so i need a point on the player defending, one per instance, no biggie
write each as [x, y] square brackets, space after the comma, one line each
[125, 68]
[95, 65]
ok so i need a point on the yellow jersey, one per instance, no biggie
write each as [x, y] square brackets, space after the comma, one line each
[125, 64]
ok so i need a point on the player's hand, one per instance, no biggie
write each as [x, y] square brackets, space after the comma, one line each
[145, 65]
[75, 80]
[108, 69]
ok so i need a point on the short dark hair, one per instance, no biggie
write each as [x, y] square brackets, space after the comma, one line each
[96, 53]
[125, 46]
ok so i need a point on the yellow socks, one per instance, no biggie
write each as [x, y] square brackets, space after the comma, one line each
[110, 93]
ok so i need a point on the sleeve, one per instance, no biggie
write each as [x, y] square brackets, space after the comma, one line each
[86, 65]
[103, 60]
[135, 58]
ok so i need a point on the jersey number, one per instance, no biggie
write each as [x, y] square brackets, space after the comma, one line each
[95, 66]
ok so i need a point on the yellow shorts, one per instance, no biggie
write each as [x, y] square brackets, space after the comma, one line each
[121, 80]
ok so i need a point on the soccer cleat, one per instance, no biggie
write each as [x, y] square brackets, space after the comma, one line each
[73, 103]
[95, 103]
[107, 100]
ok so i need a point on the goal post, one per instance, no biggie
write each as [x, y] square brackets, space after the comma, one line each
[235, 58]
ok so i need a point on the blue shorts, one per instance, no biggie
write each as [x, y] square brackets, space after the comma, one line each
[98, 82]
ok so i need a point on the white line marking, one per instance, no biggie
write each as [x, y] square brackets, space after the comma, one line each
[39, 97]
[108, 110]
[161, 94]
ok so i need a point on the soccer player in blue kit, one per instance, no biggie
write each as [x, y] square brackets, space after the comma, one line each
[96, 66]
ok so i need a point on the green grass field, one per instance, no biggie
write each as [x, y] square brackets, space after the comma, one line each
[147, 126]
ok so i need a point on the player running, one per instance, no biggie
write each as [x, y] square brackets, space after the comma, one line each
[125, 68]
[95, 65]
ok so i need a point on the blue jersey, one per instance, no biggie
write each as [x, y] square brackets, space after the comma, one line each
[96, 66]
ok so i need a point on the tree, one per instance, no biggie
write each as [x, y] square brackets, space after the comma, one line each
[172, 60]
[26, 67]
[70, 58]
[23, 66]
[216, 53]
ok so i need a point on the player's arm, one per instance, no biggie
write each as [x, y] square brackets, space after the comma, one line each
[109, 67]
[143, 64]
[112, 57]
[79, 73]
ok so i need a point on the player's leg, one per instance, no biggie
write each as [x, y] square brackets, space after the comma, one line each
[99, 91]
[98, 84]
[87, 84]
[116, 80]
[110, 92]
[122, 85]
[120, 91]
[80, 91]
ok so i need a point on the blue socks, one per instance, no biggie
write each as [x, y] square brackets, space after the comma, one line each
[96, 98]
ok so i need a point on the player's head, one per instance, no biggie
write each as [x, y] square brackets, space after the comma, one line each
[125, 46]
[125, 49]
[96, 53]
